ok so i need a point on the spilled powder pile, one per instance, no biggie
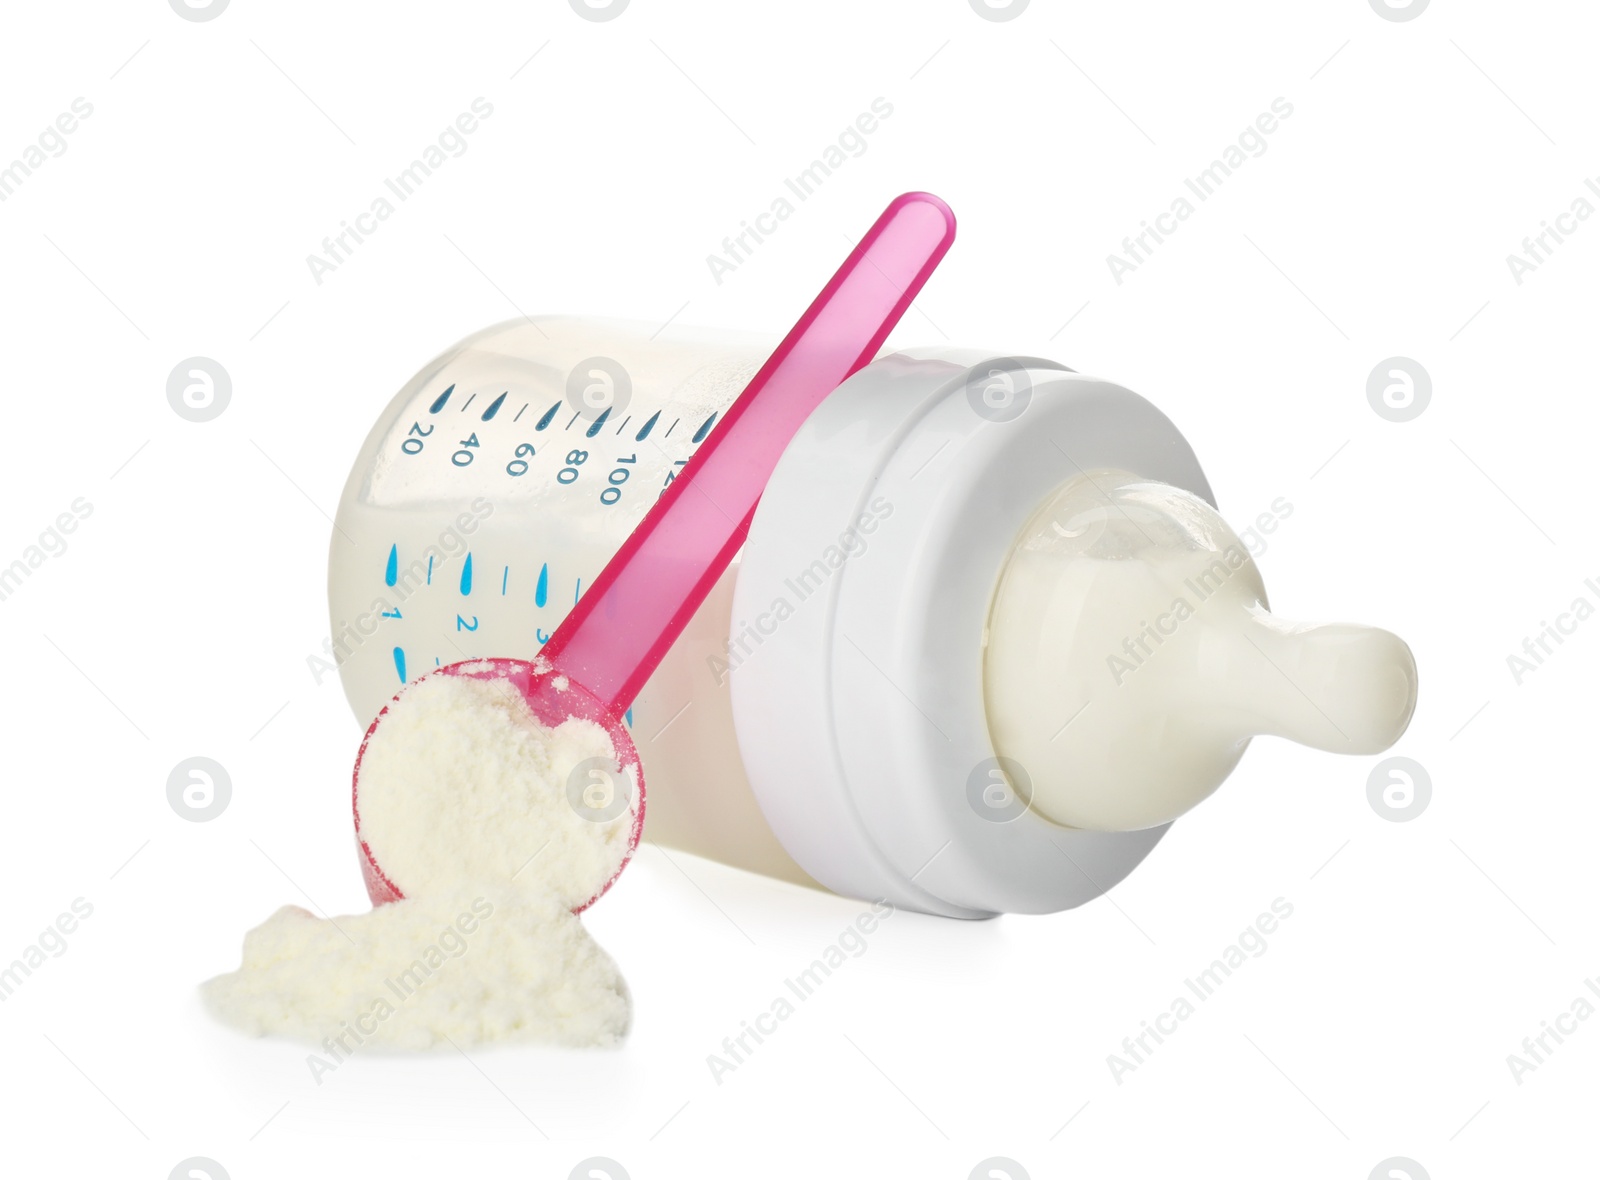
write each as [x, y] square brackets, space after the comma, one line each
[498, 964]
[488, 822]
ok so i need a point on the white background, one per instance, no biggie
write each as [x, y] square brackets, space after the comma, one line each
[178, 621]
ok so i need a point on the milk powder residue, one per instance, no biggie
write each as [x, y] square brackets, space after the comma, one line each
[466, 803]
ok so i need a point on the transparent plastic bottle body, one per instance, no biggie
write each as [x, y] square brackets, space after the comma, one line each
[495, 487]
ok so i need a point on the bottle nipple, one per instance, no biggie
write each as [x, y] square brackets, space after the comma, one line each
[1130, 657]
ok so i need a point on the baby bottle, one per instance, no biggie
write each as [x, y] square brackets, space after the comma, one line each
[987, 636]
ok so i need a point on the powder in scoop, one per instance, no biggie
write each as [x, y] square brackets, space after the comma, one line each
[490, 824]
[462, 782]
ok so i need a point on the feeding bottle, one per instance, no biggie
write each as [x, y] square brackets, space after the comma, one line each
[987, 637]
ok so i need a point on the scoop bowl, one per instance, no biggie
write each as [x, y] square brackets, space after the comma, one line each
[552, 697]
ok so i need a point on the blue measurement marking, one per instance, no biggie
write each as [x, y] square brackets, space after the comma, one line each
[438, 404]
[594, 427]
[494, 407]
[705, 428]
[506, 573]
[627, 717]
[671, 428]
[521, 412]
[467, 403]
[573, 419]
[541, 592]
[391, 572]
[400, 663]
[647, 427]
[548, 415]
[625, 422]
[577, 589]
[430, 569]
[466, 575]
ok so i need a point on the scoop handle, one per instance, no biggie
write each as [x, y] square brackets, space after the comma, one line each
[620, 629]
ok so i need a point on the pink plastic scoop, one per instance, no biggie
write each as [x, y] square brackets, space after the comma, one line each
[616, 634]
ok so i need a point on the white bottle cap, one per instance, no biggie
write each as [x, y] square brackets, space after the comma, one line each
[859, 617]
